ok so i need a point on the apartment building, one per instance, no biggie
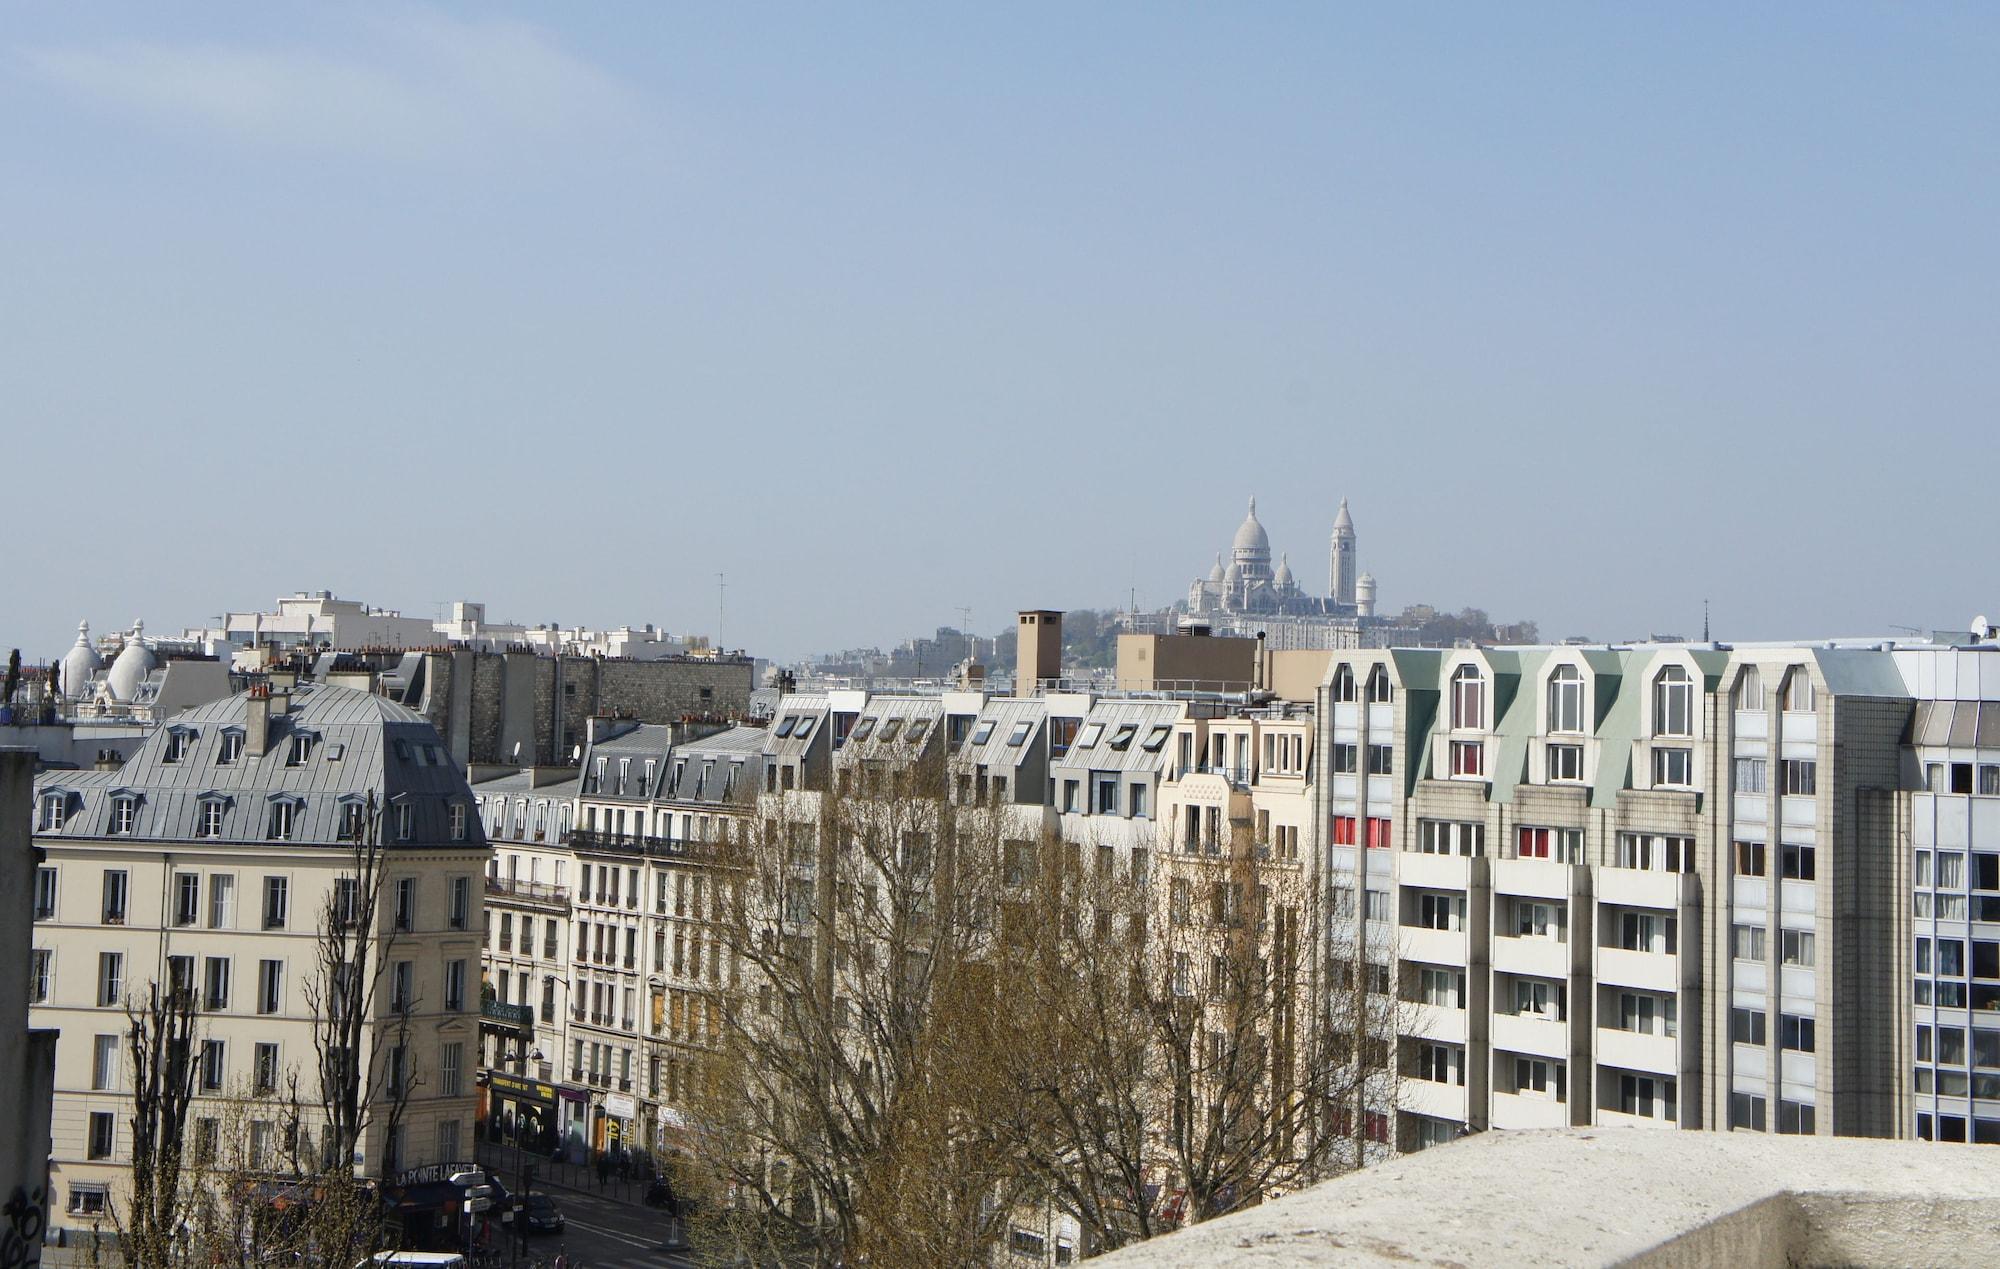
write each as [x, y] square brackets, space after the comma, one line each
[208, 863]
[524, 999]
[655, 805]
[1663, 885]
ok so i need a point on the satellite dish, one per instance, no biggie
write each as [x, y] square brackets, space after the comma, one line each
[1982, 628]
[517, 751]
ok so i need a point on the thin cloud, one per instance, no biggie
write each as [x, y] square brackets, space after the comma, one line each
[418, 86]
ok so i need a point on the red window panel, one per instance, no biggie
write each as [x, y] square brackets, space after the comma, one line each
[1343, 830]
[1378, 834]
[1534, 843]
[1377, 1126]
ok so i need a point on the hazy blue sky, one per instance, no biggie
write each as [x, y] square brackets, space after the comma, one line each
[1591, 311]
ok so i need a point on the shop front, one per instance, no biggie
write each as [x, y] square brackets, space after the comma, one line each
[521, 1112]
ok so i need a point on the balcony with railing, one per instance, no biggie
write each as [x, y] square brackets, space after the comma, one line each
[537, 892]
[520, 1017]
[639, 844]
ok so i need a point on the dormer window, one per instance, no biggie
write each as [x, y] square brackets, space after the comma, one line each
[1799, 691]
[55, 812]
[124, 813]
[1343, 685]
[1750, 689]
[301, 749]
[1379, 690]
[1673, 703]
[403, 751]
[232, 747]
[353, 813]
[179, 741]
[458, 821]
[406, 821]
[1565, 701]
[284, 820]
[1468, 699]
[208, 816]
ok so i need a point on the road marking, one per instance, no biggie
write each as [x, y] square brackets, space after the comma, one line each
[612, 1233]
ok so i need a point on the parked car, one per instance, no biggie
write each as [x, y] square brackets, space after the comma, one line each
[542, 1215]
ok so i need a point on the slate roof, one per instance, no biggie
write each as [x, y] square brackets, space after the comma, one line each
[1099, 755]
[360, 744]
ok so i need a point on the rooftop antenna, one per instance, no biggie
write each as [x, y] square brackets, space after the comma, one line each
[721, 587]
[965, 625]
[1704, 622]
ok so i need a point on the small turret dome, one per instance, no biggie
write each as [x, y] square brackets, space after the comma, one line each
[1215, 574]
[1284, 574]
[134, 663]
[1343, 521]
[80, 664]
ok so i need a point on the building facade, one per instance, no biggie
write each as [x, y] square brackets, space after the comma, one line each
[211, 863]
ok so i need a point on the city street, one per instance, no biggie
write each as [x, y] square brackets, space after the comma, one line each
[606, 1228]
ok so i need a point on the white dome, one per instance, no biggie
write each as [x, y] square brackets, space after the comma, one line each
[134, 663]
[1284, 574]
[1343, 520]
[1215, 574]
[1250, 536]
[80, 663]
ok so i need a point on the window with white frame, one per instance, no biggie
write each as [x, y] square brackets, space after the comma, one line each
[1538, 919]
[1440, 1063]
[1565, 763]
[1673, 767]
[1468, 698]
[284, 819]
[1468, 758]
[55, 811]
[1538, 998]
[1659, 852]
[1673, 702]
[1539, 1078]
[1565, 712]
[1451, 837]
[231, 749]
[117, 888]
[1750, 689]
[124, 813]
[1752, 775]
[1439, 987]
[1801, 777]
[1343, 685]
[1562, 845]
[45, 892]
[208, 817]
[40, 963]
[1799, 696]
[1380, 690]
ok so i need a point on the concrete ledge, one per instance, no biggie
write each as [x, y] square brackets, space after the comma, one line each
[1605, 1196]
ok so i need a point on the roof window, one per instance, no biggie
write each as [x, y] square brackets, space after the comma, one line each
[785, 726]
[1122, 738]
[889, 726]
[1019, 736]
[861, 729]
[1090, 735]
[918, 726]
[982, 733]
[804, 728]
[1156, 738]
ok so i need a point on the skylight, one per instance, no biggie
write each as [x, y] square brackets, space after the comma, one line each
[983, 732]
[1123, 736]
[1090, 735]
[1019, 735]
[918, 726]
[889, 726]
[785, 726]
[861, 729]
[1156, 737]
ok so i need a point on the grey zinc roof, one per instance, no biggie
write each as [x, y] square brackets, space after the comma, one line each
[927, 710]
[812, 705]
[1113, 714]
[1860, 672]
[1004, 713]
[522, 784]
[363, 744]
[726, 766]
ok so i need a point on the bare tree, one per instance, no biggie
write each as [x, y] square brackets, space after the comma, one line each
[161, 1031]
[840, 1106]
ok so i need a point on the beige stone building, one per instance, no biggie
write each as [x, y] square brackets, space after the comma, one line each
[208, 863]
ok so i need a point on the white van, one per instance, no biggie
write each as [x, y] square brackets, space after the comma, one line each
[414, 1260]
